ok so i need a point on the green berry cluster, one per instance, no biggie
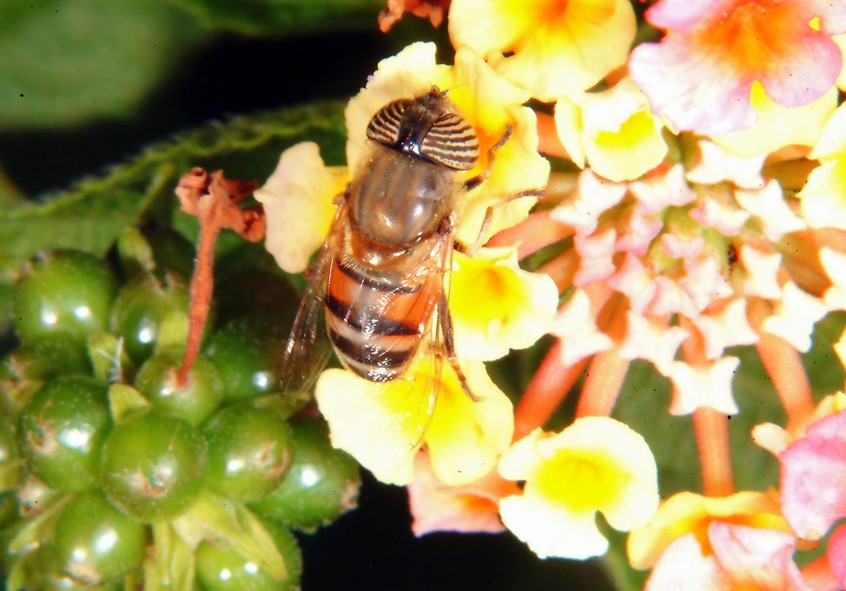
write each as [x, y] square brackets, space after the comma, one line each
[116, 474]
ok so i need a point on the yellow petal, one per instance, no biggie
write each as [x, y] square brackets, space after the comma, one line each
[552, 531]
[824, 196]
[496, 306]
[492, 105]
[596, 464]
[466, 438]
[298, 203]
[556, 48]
[569, 127]
[383, 425]
[778, 126]
[410, 73]
[380, 427]
[621, 138]
[687, 512]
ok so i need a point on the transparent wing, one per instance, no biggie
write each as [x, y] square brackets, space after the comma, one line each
[304, 358]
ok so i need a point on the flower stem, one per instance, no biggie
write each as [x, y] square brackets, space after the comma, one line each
[607, 369]
[214, 201]
[711, 428]
[548, 388]
[784, 366]
[202, 287]
[713, 445]
[604, 379]
[562, 269]
[532, 234]
[549, 143]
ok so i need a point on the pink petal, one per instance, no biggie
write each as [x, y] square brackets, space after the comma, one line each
[832, 15]
[813, 478]
[437, 507]
[638, 231]
[665, 189]
[596, 253]
[692, 92]
[681, 14]
[698, 82]
[682, 566]
[756, 558]
[804, 75]
[836, 553]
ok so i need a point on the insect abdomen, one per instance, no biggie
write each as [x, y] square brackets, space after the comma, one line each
[376, 326]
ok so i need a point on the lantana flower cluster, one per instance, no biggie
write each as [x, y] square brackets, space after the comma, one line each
[694, 204]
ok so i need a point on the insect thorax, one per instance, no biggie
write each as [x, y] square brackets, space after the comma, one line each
[398, 199]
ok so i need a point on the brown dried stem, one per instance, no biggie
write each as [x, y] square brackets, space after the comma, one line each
[213, 200]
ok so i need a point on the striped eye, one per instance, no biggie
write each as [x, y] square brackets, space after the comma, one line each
[426, 127]
[385, 125]
[452, 142]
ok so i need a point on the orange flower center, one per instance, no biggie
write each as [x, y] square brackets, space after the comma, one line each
[563, 13]
[752, 36]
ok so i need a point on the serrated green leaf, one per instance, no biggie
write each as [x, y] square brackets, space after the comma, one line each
[66, 62]
[216, 518]
[92, 214]
[285, 17]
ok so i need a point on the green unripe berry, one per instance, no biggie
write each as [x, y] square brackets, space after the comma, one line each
[63, 291]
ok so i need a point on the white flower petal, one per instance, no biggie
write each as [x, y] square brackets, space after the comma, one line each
[795, 315]
[575, 325]
[707, 385]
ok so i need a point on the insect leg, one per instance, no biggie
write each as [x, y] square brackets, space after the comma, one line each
[470, 250]
[480, 178]
[445, 323]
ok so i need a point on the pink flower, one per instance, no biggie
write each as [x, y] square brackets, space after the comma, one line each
[813, 487]
[700, 76]
[702, 543]
[743, 558]
[468, 508]
[813, 477]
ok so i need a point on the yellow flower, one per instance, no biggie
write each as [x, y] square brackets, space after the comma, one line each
[778, 126]
[496, 306]
[556, 47]
[596, 464]
[298, 205]
[299, 195]
[613, 130]
[490, 103]
[384, 425]
[824, 195]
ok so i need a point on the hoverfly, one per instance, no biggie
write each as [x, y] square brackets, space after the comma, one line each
[379, 278]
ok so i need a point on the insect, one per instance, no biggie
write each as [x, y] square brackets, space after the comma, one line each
[379, 278]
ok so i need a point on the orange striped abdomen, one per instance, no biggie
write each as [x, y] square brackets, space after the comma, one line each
[375, 324]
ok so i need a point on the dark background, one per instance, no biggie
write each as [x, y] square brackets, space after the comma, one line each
[372, 547]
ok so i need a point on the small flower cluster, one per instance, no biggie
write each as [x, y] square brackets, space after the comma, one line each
[708, 213]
